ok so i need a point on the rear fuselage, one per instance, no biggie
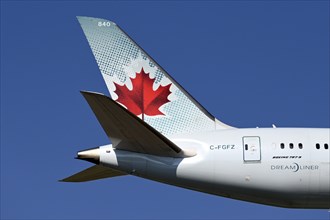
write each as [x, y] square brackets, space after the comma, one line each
[287, 167]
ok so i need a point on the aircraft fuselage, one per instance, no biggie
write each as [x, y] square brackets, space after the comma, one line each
[287, 167]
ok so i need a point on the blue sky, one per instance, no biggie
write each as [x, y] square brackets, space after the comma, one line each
[268, 62]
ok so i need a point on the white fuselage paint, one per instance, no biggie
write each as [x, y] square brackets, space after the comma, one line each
[261, 172]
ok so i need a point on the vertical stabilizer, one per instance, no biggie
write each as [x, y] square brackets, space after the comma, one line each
[138, 83]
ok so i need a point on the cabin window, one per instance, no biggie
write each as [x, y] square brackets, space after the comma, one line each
[291, 145]
[326, 146]
[300, 145]
[282, 145]
[317, 146]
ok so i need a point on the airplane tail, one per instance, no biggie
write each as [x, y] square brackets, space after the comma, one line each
[139, 84]
[127, 133]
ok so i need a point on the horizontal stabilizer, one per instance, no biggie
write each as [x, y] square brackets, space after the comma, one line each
[93, 173]
[128, 132]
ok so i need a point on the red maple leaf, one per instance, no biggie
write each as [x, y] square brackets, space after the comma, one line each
[142, 99]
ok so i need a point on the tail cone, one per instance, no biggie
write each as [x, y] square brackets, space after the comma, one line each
[91, 155]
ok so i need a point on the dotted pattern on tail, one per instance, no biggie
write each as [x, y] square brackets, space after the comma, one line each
[119, 58]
